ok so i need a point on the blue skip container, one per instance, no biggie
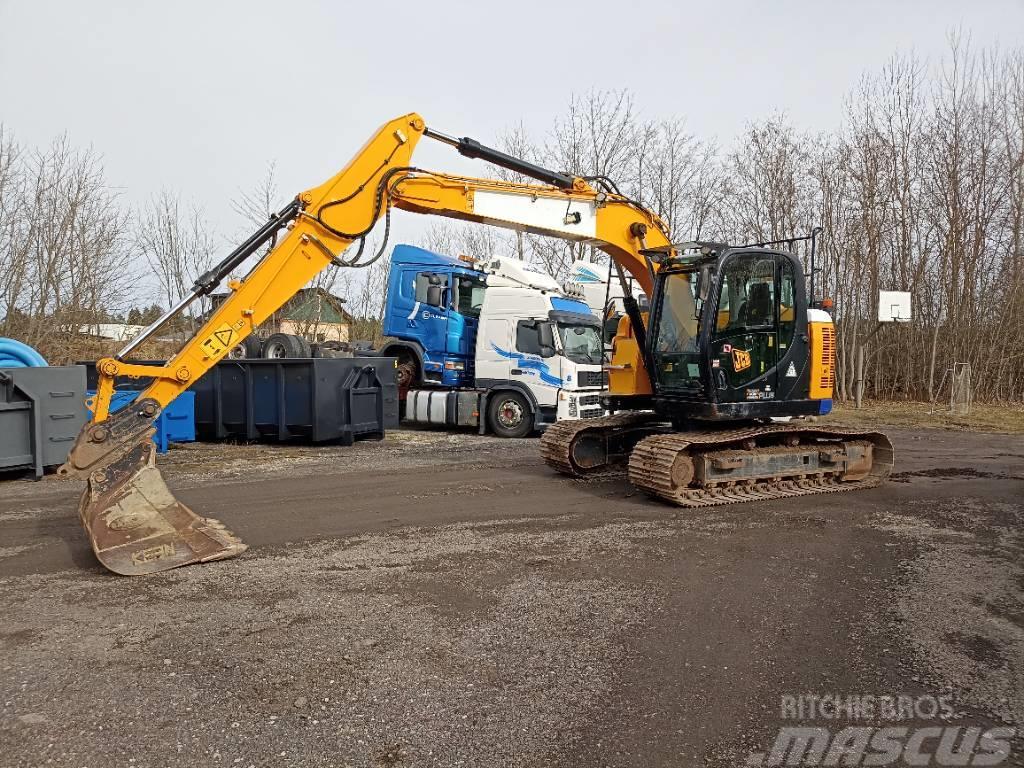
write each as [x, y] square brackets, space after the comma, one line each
[177, 423]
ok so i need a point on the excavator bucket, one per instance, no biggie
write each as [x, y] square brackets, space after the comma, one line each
[134, 523]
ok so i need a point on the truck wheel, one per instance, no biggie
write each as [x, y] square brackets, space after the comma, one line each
[249, 349]
[509, 414]
[281, 346]
[408, 374]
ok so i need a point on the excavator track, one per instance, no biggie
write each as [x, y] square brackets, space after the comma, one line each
[703, 469]
[610, 439]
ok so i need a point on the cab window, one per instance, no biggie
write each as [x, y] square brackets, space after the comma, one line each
[426, 279]
[747, 297]
[528, 337]
[677, 325]
[469, 296]
[787, 303]
[675, 342]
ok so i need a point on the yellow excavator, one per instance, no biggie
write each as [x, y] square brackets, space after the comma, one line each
[697, 384]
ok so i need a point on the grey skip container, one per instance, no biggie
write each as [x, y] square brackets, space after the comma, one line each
[42, 411]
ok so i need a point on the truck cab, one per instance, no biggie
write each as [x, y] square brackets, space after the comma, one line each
[496, 343]
[436, 340]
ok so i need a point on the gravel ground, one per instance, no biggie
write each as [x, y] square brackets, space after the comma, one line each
[444, 600]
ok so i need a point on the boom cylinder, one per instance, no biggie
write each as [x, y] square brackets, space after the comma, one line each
[474, 149]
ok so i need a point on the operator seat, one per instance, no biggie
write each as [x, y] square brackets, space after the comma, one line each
[758, 307]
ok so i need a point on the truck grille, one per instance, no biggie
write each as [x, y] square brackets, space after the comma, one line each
[593, 378]
[592, 413]
[590, 400]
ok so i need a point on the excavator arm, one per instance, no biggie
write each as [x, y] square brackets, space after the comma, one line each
[134, 523]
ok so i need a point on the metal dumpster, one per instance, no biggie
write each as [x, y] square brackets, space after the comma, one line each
[41, 412]
[314, 399]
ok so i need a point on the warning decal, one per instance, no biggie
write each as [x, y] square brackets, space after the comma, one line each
[219, 341]
[791, 371]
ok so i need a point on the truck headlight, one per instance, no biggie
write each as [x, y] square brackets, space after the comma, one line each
[454, 365]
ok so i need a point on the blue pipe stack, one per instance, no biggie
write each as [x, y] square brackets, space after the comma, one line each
[14, 354]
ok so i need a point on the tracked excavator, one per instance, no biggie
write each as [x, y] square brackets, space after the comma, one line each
[729, 343]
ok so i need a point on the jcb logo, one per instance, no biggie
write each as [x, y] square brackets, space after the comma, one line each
[740, 360]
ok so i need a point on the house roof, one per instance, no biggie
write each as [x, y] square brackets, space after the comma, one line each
[315, 304]
[308, 304]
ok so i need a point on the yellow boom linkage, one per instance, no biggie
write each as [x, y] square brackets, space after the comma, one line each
[134, 523]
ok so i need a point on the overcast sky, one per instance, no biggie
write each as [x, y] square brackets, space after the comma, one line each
[198, 97]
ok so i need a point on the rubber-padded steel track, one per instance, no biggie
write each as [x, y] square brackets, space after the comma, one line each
[653, 462]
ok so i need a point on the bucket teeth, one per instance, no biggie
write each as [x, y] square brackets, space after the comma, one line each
[230, 543]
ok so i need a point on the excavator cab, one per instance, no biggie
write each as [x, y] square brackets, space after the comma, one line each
[723, 340]
[731, 344]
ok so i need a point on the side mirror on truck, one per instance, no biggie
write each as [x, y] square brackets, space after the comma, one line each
[435, 295]
[547, 339]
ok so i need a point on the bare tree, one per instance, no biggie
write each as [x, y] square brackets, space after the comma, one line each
[920, 189]
[473, 240]
[176, 244]
[678, 176]
[365, 292]
[256, 205]
[62, 246]
[13, 263]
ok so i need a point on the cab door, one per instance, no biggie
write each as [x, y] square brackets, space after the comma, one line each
[744, 350]
[494, 352]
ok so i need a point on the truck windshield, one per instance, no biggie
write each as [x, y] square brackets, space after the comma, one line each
[581, 343]
[469, 296]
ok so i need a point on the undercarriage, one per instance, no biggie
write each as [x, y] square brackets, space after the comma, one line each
[722, 465]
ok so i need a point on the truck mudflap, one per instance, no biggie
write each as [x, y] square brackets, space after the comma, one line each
[135, 524]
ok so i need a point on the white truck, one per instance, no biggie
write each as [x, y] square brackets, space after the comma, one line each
[494, 344]
[603, 293]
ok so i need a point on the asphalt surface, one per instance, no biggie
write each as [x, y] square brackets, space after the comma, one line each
[446, 600]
